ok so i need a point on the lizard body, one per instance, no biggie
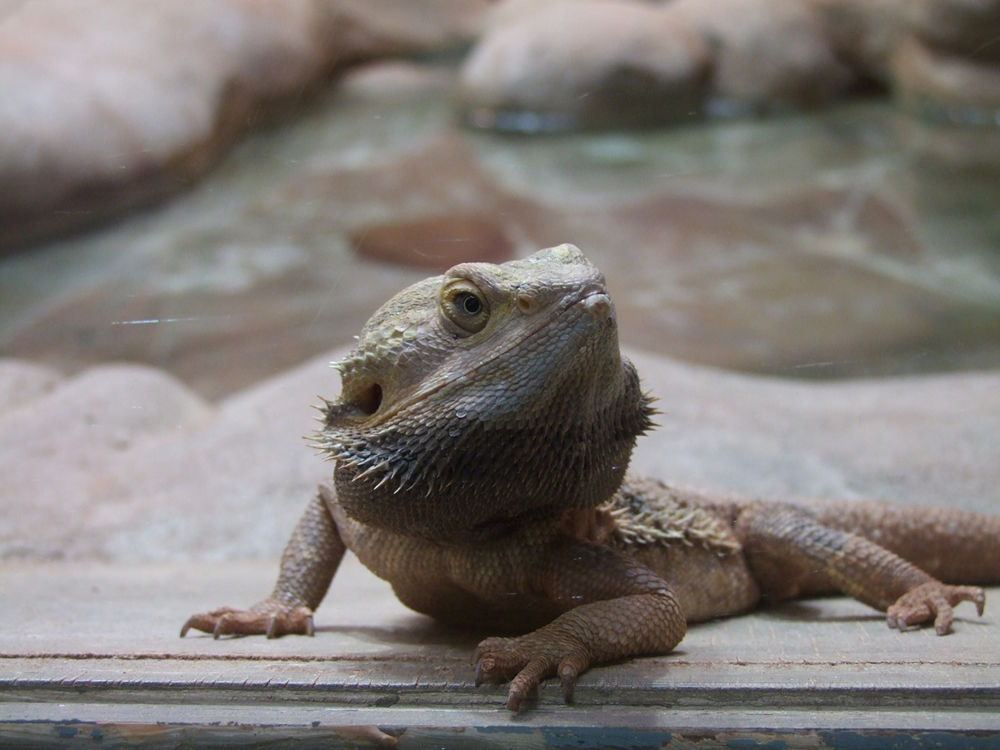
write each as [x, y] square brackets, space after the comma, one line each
[481, 443]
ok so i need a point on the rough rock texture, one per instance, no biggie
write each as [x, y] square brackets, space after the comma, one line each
[125, 463]
[112, 103]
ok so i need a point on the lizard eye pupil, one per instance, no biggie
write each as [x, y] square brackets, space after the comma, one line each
[469, 303]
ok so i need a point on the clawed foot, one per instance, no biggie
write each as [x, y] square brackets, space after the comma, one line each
[268, 618]
[528, 660]
[932, 601]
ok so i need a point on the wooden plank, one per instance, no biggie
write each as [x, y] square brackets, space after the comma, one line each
[93, 647]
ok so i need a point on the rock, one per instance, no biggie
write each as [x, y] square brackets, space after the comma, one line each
[926, 440]
[864, 33]
[123, 462]
[967, 28]
[578, 64]
[384, 79]
[105, 409]
[230, 482]
[437, 242]
[233, 487]
[768, 54]
[945, 87]
[948, 69]
[22, 382]
[114, 103]
[56, 449]
[614, 63]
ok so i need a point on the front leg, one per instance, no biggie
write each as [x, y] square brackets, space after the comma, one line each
[792, 554]
[308, 564]
[614, 608]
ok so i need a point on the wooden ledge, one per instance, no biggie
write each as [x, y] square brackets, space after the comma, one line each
[90, 656]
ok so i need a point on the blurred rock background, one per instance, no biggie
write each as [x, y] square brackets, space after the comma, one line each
[217, 193]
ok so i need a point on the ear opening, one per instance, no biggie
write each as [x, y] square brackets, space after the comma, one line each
[359, 404]
[369, 399]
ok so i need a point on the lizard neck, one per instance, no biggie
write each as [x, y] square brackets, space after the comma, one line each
[461, 474]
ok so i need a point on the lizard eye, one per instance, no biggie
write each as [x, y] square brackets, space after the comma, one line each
[468, 304]
[463, 304]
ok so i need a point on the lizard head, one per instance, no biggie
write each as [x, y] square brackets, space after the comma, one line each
[483, 397]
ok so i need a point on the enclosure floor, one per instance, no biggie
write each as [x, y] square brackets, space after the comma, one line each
[90, 656]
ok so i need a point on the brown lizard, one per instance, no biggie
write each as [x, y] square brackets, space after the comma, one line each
[480, 445]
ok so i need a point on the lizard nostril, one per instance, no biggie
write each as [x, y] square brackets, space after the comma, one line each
[526, 303]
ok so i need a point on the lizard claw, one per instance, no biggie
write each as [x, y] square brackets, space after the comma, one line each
[569, 670]
[206, 622]
[498, 659]
[269, 618]
[932, 601]
[220, 626]
[528, 660]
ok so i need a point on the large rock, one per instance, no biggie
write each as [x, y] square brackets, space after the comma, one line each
[970, 28]
[864, 33]
[112, 103]
[124, 464]
[946, 87]
[927, 440]
[948, 69]
[58, 447]
[570, 64]
[768, 54]
[21, 382]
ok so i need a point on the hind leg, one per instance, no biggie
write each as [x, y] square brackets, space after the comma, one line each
[791, 554]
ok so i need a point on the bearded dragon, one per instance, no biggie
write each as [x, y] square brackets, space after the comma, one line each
[480, 446]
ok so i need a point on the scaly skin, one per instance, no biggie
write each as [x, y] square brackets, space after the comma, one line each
[481, 443]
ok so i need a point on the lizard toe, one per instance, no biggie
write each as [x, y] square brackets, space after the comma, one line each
[570, 669]
[527, 661]
[496, 660]
[268, 618]
[206, 622]
[499, 659]
[526, 681]
[932, 602]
